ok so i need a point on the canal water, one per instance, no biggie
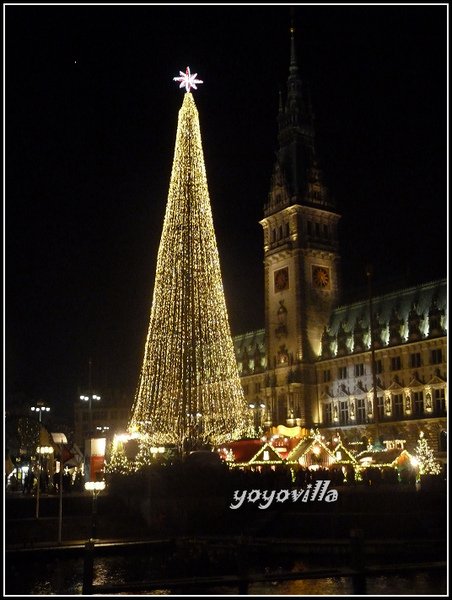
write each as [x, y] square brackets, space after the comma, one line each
[47, 575]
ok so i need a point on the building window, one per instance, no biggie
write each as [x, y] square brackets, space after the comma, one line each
[415, 360]
[437, 356]
[359, 370]
[380, 408]
[273, 236]
[343, 412]
[342, 373]
[396, 363]
[246, 389]
[327, 414]
[326, 376]
[378, 367]
[257, 387]
[397, 405]
[317, 229]
[418, 403]
[309, 226]
[325, 231]
[439, 401]
[360, 410]
[287, 230]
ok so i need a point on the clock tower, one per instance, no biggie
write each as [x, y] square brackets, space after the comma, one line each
[301, 260]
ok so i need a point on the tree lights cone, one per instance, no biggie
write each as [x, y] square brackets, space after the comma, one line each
[189, 387]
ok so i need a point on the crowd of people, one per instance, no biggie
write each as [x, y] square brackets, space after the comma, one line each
[28, 483]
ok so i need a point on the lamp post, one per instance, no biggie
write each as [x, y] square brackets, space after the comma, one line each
[41, 450]
[258, 415]
[39, 409]
[90, 399]
[369, 273]
[60, 439]
[95, 487]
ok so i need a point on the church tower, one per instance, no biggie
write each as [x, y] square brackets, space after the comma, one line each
[301, 259]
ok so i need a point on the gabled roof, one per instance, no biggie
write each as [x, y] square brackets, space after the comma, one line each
[415, 383]
[436, 380]
[379, 389]
[251, 452]
[244, 450]
[389, 458]
[306, 445]
[358, 390]
[395, 385]
[273, 456]
[346, 455]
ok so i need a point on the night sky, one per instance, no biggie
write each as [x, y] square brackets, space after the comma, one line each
[90, 123]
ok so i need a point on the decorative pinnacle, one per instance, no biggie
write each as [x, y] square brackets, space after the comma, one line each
[187, 80]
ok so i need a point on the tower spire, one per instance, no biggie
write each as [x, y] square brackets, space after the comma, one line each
[293, 83]
[293, 54]
[297, 156]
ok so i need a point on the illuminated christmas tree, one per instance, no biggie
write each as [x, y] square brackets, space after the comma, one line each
[424, 454]
[118, 462]
[189, 387]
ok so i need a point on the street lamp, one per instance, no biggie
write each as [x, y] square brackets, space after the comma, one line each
[95, 487]
[41, 450]
[102, 429]
[40, 408]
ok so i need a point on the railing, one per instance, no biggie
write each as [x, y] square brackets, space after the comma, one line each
[358, 572]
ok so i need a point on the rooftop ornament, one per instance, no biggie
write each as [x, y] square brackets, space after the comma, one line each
[187, 80]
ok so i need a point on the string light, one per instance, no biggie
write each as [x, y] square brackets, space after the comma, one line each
[189, 386]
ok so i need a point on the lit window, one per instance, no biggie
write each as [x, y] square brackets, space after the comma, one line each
[342, 373]
[359, 370]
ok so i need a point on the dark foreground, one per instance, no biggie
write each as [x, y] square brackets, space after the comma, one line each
[150, 538]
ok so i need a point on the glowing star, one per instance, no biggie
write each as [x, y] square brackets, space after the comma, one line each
[187, 80]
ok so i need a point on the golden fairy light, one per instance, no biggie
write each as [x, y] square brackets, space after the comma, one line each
[189, 386]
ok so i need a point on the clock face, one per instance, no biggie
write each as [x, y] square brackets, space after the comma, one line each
[282, 279]
[321, 277]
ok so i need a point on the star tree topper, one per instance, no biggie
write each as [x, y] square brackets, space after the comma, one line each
[187, 79]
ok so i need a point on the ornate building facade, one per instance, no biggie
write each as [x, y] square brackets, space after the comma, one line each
[314, 364]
